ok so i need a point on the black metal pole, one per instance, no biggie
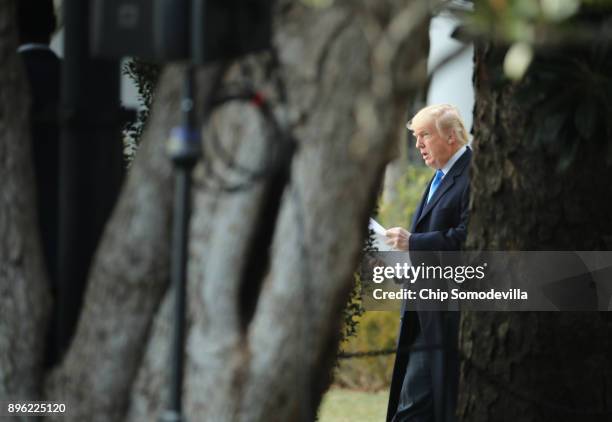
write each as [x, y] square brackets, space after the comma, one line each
[184, 149]
[72, 80]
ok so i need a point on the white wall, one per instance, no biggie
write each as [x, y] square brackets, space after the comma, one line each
[452, 83]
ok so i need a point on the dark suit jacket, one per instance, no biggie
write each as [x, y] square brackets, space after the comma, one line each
[440, 225]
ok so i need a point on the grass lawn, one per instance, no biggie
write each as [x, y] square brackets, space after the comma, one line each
[353, 406]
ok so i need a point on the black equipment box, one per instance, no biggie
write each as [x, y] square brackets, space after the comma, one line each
[167, 30]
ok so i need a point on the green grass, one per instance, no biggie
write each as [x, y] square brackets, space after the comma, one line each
[341, 405]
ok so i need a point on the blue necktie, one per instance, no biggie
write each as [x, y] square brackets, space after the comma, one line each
[434, 185]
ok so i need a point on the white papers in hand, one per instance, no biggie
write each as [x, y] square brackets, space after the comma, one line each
[379, 236]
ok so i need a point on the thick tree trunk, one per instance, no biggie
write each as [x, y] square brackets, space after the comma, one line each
[533, 366]
[24, 295]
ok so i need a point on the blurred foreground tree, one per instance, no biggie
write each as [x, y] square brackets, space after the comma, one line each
[540, 181]
[260, 344]
[24, 295]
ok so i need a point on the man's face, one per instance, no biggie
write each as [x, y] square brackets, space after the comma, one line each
[435, 148]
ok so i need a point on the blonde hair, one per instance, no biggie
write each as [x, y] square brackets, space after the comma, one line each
[446, 118]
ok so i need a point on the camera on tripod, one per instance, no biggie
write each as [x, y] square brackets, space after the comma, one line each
[200, 31]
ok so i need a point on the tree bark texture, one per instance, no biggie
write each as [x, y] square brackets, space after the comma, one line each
[533, 366]
[24, 294]
[258, 348]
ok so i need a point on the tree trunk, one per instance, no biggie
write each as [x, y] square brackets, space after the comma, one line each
[24, 295]
[533, 366]
[260, 339]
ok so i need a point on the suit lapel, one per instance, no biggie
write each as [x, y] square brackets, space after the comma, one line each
[447, 183]
[419, 210]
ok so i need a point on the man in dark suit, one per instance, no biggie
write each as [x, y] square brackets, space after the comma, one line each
[36, 22]
[424, 383]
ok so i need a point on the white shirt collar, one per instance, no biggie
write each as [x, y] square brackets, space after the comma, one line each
[32, 46]
[453, 160]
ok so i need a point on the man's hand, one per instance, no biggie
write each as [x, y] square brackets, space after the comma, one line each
[398, 237]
